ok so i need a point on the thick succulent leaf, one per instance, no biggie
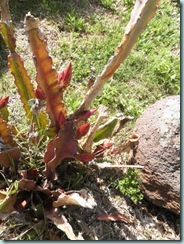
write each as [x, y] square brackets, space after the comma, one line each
[9, 152]
[64, 145]
[111, 127]
[142, 13]
[5, 133]
[49, 155]
[9, 191]
[102, 148]
[4, 113]
[61, 119]
[47, 77]
[84, 115]
[39, 94]
[106, 130]
[22, 79]
[25, 88]
[103, 113]
[3, 108]
[8, 34]
[4, 10]
[64, 77]
[4, 102]
[7, 206]
[79, 198]
[82, 130]
[7, 200]
[85, 157]
[122, 120]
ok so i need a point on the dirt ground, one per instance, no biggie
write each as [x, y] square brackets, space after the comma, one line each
[143, 221]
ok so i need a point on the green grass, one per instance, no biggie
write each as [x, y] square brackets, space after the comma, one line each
[107, 3]
[74, 22]
[87, 33]
[150, 72]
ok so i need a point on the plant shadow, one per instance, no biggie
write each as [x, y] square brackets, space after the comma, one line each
[110, 201]
[51, 9]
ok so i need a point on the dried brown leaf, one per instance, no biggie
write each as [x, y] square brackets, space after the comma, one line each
[79, 198]
[62, 223]
[115, 217]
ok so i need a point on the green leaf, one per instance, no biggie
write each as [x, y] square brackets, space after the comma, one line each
[8, 198]
[106, 131]
[22, 79]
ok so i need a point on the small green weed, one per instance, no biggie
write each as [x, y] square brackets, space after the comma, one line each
[129, 185]
[74, 21]
[107, 3]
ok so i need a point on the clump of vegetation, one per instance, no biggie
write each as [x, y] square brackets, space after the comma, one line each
[129, 185]
[59, 128]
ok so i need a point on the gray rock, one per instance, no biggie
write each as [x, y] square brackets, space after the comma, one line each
[159, 152]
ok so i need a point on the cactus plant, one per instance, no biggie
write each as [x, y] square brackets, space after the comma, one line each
[65, 131]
